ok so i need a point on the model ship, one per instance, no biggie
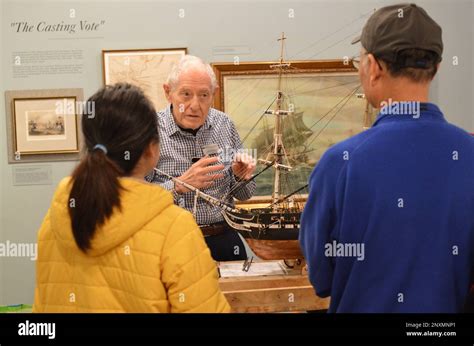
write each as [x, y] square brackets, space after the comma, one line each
[272, 232]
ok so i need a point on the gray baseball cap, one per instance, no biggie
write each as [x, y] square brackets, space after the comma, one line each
[395, 28]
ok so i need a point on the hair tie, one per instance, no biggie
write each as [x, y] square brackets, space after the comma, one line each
[101, 147]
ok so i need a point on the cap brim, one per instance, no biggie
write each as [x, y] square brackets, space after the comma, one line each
[355, 40]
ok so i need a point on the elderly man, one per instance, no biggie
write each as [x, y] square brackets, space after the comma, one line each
[200, 146]
[389, 224]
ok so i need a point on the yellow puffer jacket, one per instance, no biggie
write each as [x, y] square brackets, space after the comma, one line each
[150, 257]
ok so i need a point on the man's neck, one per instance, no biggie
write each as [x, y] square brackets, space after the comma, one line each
[191, 131]
[404, 90]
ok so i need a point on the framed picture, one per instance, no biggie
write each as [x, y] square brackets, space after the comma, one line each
[324, 97]
[43, 125]
[146, 68]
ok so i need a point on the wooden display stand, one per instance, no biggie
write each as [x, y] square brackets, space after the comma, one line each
[268, 286]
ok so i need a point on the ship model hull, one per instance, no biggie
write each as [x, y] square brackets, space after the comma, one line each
[270, 234]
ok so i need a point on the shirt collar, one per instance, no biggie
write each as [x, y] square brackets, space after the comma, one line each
[400, 111]
[170, 125]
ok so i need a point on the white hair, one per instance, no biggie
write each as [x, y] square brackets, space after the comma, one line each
[187, 63]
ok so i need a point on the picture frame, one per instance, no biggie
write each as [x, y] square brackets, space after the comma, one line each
[145, 68]
[246, 89]
[44, 125]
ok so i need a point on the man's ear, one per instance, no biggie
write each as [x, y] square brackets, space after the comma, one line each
[375, 72]
[167, 89]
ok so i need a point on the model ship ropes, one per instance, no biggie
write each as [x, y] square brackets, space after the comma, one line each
[272, 231]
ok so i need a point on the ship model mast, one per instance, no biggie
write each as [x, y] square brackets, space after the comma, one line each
[278, 147]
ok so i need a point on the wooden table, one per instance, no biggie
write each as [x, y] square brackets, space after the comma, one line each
[268, 286]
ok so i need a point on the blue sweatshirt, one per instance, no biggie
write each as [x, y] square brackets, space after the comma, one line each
[389, 221]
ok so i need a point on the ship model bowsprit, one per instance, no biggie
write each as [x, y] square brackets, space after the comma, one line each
[272, 232]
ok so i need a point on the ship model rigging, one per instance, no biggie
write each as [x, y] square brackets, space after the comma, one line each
[272, 231]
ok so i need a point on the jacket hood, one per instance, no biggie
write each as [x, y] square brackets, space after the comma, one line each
[141, 202]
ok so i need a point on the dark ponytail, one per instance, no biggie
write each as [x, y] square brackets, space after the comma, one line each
[116, 135]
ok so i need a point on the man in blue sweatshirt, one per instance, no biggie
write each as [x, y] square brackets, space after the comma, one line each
[389, 221]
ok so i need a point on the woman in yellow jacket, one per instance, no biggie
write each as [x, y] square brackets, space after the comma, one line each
[111, 242]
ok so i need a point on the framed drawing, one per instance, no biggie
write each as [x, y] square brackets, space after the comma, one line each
[43, 125]
[146, 68]
[324, 97]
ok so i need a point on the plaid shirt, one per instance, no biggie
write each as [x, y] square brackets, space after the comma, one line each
[177, 148]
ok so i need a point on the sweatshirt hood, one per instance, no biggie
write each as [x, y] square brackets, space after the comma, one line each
[141, 202]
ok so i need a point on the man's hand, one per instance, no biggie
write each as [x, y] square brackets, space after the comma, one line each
[243, 166]
[200, 175]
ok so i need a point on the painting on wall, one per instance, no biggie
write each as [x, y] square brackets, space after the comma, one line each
[145, 68]
[325, 101]
[43, 125]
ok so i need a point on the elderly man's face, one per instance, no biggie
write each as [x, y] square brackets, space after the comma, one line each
[191, 98]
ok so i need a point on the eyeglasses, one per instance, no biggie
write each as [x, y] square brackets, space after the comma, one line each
[356, 61]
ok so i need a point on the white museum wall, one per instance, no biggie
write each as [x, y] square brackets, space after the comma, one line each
[455, 83]
[249, 26]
